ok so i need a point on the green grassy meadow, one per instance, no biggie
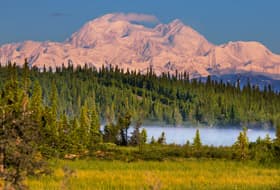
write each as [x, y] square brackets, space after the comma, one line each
[178, 174]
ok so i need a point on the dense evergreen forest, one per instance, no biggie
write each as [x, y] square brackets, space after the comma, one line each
[45, 114]
[173, 99]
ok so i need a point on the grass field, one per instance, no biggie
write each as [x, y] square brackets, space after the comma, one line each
[179, 174]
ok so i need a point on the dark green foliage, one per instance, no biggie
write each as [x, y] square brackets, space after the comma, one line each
[123, 125]
[162, 139]
[54, 100]
[158, 98]
[118, 133]
[136, 136]
[63, 111]
[262, 150]
[95, 135]
[111, 133]
[19, 137]
[242, 145]
[143, 136]
[197, 145]
[36, 103]
[278, 132]
[177, 117]
[84, 125]
[26, 77]
[153, 141]
[196, 141]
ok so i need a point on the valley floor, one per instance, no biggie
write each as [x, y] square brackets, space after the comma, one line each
[177, 174]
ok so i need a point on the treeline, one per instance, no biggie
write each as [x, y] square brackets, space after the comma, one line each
[173, 99]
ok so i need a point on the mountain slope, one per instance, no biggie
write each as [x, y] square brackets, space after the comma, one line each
[114, 40]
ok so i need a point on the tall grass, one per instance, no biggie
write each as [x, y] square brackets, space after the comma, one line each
[179, 174]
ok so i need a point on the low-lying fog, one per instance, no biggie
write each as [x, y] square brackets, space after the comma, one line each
[209, 136]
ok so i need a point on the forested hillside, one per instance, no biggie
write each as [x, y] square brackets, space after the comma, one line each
[165, 98]
[57, 115]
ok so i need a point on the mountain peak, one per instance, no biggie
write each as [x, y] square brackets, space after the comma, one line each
[124, 40]
[102, 29]
[176, 23]
[107, 17]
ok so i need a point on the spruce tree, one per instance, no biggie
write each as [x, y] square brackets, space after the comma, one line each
[64, 134]
[95, 135]
[162, 139]
[36, 103]
[153, 141]
[111, 133]
[124, 124]
[135, 138]
[177, 116]
[196, 141]
[143, 136]
[84, 126]
[76, 136]
[26, 77]
[19, 137]
[54, 100]
[242, 145]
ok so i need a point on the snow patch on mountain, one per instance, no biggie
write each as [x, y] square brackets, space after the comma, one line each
[115, 39]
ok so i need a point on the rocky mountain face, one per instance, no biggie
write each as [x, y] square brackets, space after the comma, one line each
[166, 47]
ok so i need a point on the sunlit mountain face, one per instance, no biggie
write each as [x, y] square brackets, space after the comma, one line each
[139, 42]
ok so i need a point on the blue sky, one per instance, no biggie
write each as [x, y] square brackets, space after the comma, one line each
[218, 20]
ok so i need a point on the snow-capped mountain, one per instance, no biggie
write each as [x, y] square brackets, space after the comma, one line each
[112, 39]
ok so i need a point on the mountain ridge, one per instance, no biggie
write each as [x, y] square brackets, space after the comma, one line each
[114, 39]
